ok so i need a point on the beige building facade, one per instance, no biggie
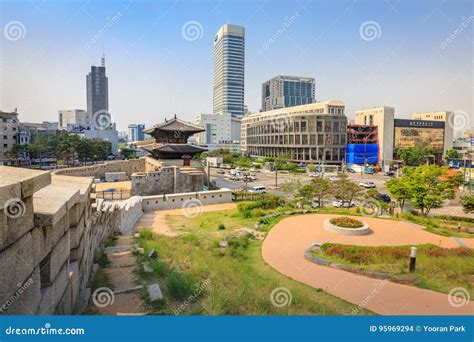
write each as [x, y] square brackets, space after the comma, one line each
[314, 132]
[382, 117]
[445, 116]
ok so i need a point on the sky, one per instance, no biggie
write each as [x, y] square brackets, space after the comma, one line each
[410, 54]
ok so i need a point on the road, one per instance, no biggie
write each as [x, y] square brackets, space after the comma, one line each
[267, 179]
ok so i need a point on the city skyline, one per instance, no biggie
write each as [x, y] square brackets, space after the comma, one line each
[357, 52]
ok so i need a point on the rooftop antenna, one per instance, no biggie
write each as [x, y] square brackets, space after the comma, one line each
[102, 61]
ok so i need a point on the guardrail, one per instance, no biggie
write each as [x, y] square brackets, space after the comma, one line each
[114, 195]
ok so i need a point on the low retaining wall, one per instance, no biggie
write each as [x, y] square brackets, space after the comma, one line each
[175, 201]
[364, 230]
[99, 170]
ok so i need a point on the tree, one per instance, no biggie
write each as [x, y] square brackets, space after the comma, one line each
[415, 156]
[399, 190]
[452, 154]
[467, 203]
[346, 190]
[322, 188]
[427, 186]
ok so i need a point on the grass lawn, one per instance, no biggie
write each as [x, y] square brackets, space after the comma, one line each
[441, 226]
[439, 269]
[199, 277]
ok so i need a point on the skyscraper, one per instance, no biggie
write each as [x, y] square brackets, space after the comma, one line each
[135, 132]
[97, 91]
[287, 91]
[229, 70]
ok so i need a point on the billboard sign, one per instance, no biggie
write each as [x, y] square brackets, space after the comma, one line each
[74, 128]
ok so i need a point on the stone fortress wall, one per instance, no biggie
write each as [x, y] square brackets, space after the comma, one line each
[52, 225]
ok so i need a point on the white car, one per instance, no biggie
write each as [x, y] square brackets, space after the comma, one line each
[367, 184]
[341, 204]
[333, 178]
[258, 190]
[314, 175]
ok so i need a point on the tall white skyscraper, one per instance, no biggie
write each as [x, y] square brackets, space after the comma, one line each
[229, 70]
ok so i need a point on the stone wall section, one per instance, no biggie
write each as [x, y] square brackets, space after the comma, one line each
[50, 230]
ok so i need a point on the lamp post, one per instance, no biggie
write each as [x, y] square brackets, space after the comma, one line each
[412, 259]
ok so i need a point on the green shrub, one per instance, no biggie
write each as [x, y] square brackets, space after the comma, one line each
[160, 267]
[103, 260]
[247, 214]
[180, 285]
[346, 222]
[221, 226]
[146, 234]
[257, 213]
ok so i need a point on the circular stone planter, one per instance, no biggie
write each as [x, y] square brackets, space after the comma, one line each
[364, 230]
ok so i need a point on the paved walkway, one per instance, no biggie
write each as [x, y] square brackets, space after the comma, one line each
[156, 220]
[284, 248]
[121, 271]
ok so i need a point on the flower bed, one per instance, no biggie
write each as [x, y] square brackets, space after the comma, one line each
[346, 226]
[346, 222]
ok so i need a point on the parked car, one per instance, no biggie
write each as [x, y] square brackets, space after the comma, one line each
[315, 203]
[386, 198]
[220, 172]
[343, 204]
[389, 173]
[258, 190]
[314, 175]
[333, 178]
[350, 171]
[367, 184]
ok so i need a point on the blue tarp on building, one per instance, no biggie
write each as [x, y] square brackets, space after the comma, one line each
[362, 153]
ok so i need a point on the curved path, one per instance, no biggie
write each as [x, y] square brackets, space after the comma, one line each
[284, 248]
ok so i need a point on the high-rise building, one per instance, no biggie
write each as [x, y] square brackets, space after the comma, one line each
[383, 118]
[97, 91]
[315, 132]
[74, 117]
[220, 129]
[229, 70]
[135, 132]
[286, 91]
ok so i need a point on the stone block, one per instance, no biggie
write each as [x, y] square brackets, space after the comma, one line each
[45, 237]
[75, 280]
[316, 260]
[53, 202]
[30, 181]
[54, 261]
[26, 297]
[16, 218]
[65, 306]
[16, 265]
[51, 295]
[154, 292]
[76, 232]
